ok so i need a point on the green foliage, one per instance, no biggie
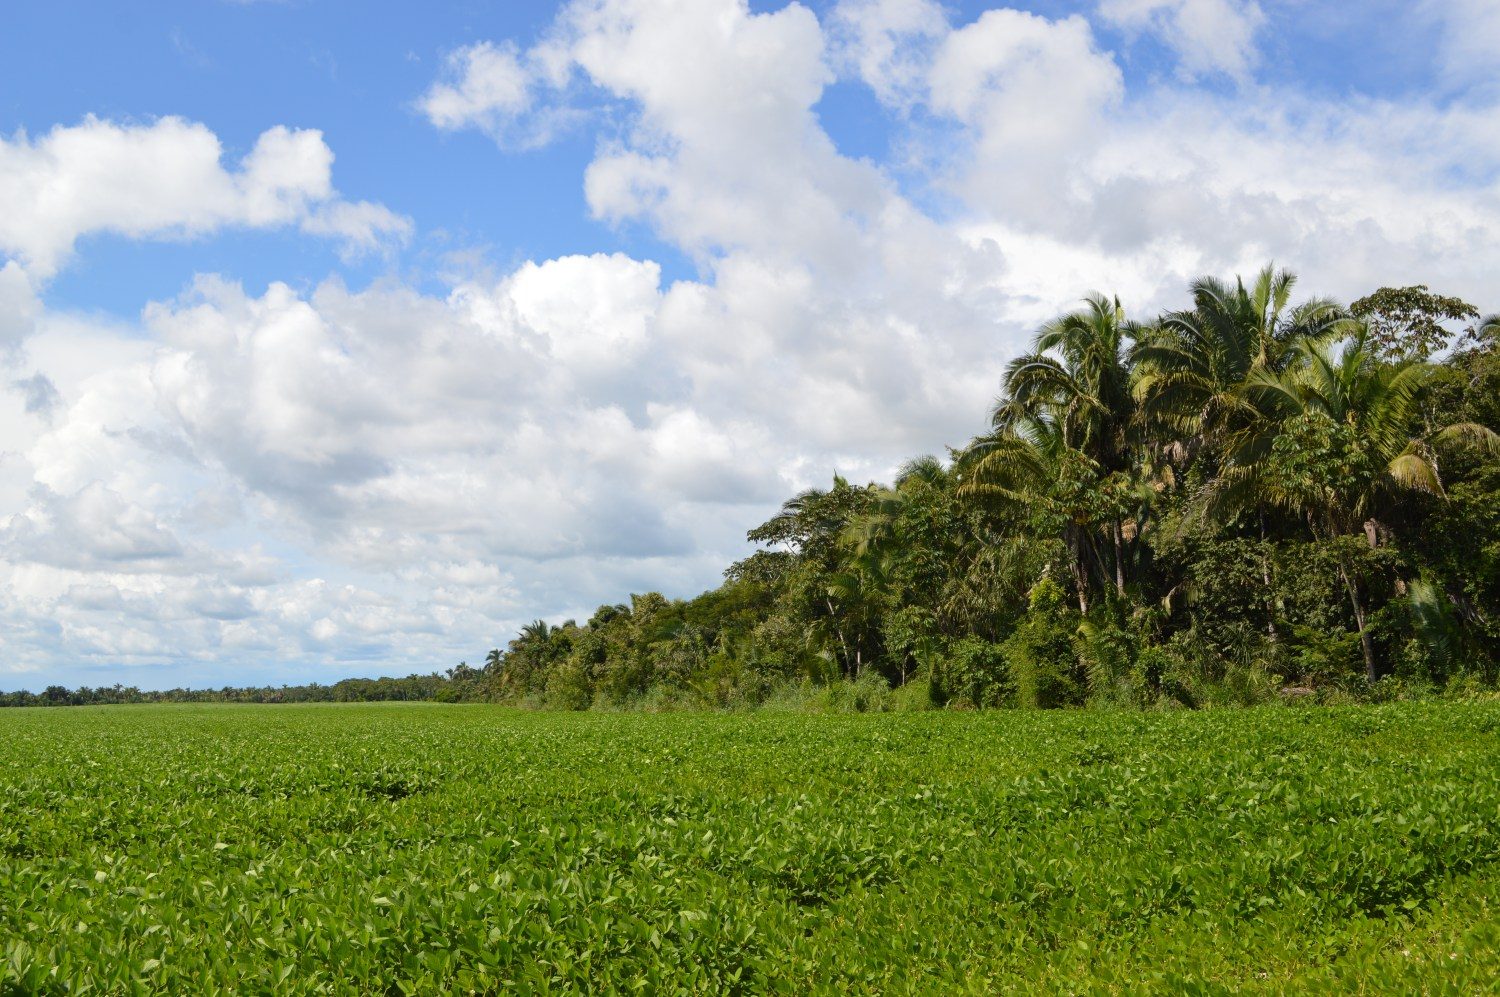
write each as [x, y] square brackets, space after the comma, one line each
[467, 849]
[1108, 655]
[569, 687]
[973, 672]
[1040, 656]
[914, 696]
[1239, 497]
[1437, 647]
[867, 694]
[1411, 323]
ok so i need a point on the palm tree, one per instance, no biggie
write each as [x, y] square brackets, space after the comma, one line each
[1068, 404]
[875, 532]
[494, 672]
[1334, 444]
[1027, 463]
[1079, 374]
[1488, 328]
[1191, 365]
[535, 632]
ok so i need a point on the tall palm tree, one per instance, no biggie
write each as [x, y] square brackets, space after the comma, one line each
[1191, 365]
[1068, 405]
[1028, 463]
[1078, 373]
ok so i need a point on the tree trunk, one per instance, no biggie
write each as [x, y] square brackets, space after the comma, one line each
[1379, 534]
[1080, 573]
[1119, 561]
[1366, 645]
[1265, 576]
[839, 632]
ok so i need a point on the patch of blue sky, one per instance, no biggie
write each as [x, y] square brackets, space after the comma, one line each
[242, 68]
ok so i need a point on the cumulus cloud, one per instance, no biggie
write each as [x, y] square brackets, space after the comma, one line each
[1208, 36]
[477, 435]
[167, 180]
[485, 84]
[887, 44]
[1033, 95]
[19, 307]
[1470, 36]
[92, 526]
[420, 463]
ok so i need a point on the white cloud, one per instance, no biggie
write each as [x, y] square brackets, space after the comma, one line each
[887, 44]
[359, 227]
[166, 180]
[19, 307]
[406, 460]
[486, 84]
[496, 89]
[1033, 94]
[1208, 36]
[94, 525]
[594, 311]
[1470, 37]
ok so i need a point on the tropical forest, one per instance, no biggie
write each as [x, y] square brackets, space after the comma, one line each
[1259, 496]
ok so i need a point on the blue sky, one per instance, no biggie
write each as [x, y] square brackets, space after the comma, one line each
[241, 67]
[455, 315]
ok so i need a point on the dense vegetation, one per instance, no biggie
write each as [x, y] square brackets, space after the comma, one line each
[460, 684]
[412, 849]
[1246, 498]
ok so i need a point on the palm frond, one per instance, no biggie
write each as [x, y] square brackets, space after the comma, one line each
[1471, 433]
[1416, 471]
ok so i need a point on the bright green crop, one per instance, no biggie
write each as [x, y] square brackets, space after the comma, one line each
[418, 849]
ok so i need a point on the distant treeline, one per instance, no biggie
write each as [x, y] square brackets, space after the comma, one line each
[460, 684]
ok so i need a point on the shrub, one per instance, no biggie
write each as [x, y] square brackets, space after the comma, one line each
[1040, 656]
[867, 694]
[1108, 654]
[914, 696]
[973, 672]
[569, 688]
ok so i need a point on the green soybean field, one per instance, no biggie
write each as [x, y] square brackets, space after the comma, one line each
[405, 849]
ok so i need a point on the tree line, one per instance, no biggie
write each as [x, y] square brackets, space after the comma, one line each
[459, 684]
[1248, 498]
